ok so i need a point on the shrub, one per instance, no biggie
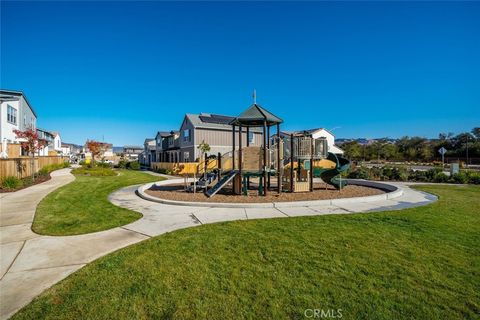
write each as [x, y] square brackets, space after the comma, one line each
[52, 167]
[359, 173]
[395, 173]
[417, 175]
[122, 164]
[133, 165]
[43, 171]
[104, 164]
[11, 182]
[460, 177]
[164, 171]
[440, 177]
[94, 172]
[473, 177]
[430, 174]
[376, 173]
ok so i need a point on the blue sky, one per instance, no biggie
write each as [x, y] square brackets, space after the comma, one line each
[123, 70]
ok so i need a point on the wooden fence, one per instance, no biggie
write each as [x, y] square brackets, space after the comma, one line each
[182, 168]
[21, 167]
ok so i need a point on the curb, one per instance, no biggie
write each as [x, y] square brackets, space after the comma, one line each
[391, 193]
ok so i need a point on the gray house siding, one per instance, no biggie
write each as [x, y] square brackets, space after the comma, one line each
[26, 117]
[217, 135]
[188, 150]
[186, 125]
[220, 141]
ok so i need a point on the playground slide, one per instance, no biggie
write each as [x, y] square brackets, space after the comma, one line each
[222, 183]
[330, 176]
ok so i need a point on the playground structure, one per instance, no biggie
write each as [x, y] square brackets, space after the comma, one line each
[284, 163]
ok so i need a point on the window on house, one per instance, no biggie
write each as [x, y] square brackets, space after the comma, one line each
[186, 156]
[25, 120]
[11, 114]
[251, 137]
[186, 135]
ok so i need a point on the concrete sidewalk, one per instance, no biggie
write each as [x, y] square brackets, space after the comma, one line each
[31, 263]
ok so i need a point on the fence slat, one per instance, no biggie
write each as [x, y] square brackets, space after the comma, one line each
[21, 167]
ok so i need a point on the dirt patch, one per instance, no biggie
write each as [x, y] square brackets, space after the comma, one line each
[321, 191]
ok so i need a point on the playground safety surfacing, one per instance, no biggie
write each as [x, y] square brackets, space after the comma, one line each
[321, 191]
[358, 191]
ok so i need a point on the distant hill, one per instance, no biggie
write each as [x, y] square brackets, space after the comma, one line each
[363, 141]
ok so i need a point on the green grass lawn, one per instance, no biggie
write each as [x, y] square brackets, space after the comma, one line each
[420, 263]
[82, 206]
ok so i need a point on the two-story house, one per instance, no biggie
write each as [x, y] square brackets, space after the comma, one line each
[321, 133]
[16, 113]
[149, 153]
[57, 142]
[167, 146]
[132, 152]
[106, 151]
[71, 149]
[49, 139]
[213, 129]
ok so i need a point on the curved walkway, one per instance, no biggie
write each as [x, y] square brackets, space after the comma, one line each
[31, 263]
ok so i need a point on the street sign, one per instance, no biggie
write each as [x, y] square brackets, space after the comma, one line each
[442, 151]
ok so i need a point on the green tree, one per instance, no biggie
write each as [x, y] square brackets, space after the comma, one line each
[203, 148]
[476, 132]
[389, 151]
[353, 150]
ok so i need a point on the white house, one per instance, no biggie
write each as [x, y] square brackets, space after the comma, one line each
[322, 133]
[57, 142]
[106, 151]
[16, 113]
[71, 149]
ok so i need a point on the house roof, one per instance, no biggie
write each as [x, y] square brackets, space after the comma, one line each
[211, 121]
[256, 116]
[9, 94]
[318, 129]
[45, 131]
[335, 149]
[309, 131]
[163, 133]
[73, 145]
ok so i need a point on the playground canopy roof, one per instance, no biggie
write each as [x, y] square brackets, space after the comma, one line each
[255, 116]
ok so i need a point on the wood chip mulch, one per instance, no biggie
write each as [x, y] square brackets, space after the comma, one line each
[321, 191]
